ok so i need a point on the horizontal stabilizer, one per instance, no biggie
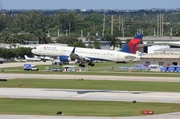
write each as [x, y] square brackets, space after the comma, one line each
[129, 57]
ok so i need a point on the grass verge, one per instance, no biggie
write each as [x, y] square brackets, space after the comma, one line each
[93, 84]
[81, 108]
[103, 68]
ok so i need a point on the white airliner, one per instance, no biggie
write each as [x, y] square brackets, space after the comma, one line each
[32, 58]
[20, 60]
[82, 55]
[36, 58]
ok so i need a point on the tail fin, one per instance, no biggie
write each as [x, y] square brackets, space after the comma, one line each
[133, 45]
[26, 57]
[16, 59]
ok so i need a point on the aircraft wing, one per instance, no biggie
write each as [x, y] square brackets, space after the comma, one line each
[78, 58]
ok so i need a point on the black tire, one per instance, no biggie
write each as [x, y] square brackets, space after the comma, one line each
[59, 113]
[92, 65]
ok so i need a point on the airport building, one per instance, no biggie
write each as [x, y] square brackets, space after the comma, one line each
[162, 57]
[106, 45]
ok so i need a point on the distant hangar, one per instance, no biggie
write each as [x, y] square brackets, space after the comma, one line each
[162, 57]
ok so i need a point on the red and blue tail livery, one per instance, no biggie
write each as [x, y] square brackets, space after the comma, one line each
[133, 45]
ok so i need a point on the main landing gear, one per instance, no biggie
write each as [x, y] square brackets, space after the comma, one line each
[82, 65]
[91, 64]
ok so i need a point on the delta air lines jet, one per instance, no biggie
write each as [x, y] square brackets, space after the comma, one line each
[82, 55]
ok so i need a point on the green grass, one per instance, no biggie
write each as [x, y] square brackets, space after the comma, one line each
[81, 108]
[86, 108]
[103, 68]
[105, 73]
[94, 84]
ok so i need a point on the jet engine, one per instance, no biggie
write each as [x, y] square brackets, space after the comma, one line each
[65, 58]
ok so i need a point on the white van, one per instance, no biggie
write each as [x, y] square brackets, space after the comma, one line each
[57, 61]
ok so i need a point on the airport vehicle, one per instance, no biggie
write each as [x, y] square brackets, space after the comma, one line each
[56, 69]
[32, 58]
[82, 55]
[30, 67]
[1, 60]
[170, 69]
[45, 58]
[70, 68]
[57, 61]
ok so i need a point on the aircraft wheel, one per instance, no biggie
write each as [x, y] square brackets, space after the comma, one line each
[59, 113]
[92, 65]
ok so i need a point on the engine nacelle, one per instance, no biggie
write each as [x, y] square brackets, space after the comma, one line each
[65, 58]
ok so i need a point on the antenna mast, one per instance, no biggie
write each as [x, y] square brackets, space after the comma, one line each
[104, 20]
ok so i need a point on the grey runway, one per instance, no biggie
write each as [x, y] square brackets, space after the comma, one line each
[175, 115]
[89, 77]
[103, 95]
[165, 97]
[100, 95]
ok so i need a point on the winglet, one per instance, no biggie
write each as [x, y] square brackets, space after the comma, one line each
[133, 45]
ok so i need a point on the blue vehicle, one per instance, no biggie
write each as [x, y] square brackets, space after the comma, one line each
[178, 69]
[30, 67]
[163, 69]
[170, 69]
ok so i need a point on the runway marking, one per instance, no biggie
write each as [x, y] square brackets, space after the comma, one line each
[37, 116]
[77, 98]
[16, 77]
[155, 100]
[167, 81]
[113, 117]
[3, 96]
[136, 79]
[78, 116]
[39, 77]
[103, 79]
[177, 101]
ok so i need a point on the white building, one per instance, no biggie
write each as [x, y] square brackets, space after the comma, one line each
[162, 57]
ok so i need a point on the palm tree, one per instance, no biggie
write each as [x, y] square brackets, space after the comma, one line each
[6, 38]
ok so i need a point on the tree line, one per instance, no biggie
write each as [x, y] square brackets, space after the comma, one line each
[17, 52]
[35, 25]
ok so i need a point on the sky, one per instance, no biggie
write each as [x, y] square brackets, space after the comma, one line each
[89, 4]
